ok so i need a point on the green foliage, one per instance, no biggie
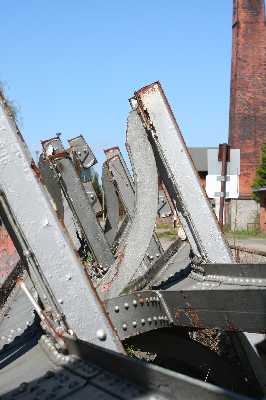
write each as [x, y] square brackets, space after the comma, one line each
[131, 350]
[260, 178]
[96, 184]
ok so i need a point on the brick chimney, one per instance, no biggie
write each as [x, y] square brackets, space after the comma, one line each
[247, 123]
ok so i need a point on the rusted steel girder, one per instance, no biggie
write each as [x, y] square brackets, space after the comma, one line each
[179, 175]
[130, 257]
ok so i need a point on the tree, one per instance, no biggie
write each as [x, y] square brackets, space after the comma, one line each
[260, 178]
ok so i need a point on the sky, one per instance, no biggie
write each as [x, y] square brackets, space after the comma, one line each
[70, 66]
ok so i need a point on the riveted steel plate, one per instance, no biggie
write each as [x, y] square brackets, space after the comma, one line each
[137, 313]
[54, 385]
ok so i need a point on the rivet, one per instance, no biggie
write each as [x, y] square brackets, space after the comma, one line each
[124, 326]
[126, 306]
[149, 320]
[60, 301]
[147, 300]
[157, 255]
[101, 334]
[134, 323]
[154, 318]
[143, 321]
[116, 309]
[135, 303]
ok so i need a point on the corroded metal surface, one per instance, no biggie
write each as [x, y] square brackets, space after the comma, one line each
[132, 254]
[55, 260]
[180, 176]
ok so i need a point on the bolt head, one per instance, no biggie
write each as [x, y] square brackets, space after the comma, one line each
[124, 326]
[101, 334]
[134, 324]
[116, 309]
[126, 306]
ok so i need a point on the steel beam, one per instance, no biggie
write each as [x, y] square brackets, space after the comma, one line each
[180, 176]
[55, 261]
[111, 202]
[126, 192]
[81, 207]
[129, 259]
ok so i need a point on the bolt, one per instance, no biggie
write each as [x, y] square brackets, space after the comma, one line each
[68, 277]
[143, 321]
[101, 334]
[60, 301]
[116, 309]
[134, 324]
[149, 320]
[124, 326]
[126, 306]
[135, 303]
[154, 318]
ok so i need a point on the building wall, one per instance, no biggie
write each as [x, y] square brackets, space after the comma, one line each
[243, 214]
[247, 124]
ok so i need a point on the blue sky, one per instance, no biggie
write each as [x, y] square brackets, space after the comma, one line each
[70, 66]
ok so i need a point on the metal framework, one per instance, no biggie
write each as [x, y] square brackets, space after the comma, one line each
[157, 300]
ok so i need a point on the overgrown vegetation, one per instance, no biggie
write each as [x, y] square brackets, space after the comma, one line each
[260, 178]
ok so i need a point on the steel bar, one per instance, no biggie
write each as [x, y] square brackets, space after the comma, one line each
[55, 259]
[130, 258]
[81, 207]
[111, 204]
[126, 193]
[180, 176]
[238, 310]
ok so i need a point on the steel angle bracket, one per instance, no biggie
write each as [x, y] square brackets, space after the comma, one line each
[179, 175]
[81, 207]
[130, 257]
[126, 193]
[111, 202]
[46, 240]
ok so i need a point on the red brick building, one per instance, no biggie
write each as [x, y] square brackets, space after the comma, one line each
[247, 129]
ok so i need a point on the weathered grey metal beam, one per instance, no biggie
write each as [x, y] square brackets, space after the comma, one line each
[180, 176]
[81, 207]
[84, 159]
[130, 258]
[55, 260]
[126, 192]
[238, 310]
[82, 150]
[111, 202]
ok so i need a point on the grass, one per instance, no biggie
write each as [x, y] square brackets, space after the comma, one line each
[245, 234]
[164, 226]
[171, 234]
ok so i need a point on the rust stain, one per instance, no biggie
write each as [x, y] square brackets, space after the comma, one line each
[120, 257]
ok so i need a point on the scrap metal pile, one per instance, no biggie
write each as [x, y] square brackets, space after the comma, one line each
[88, 293]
